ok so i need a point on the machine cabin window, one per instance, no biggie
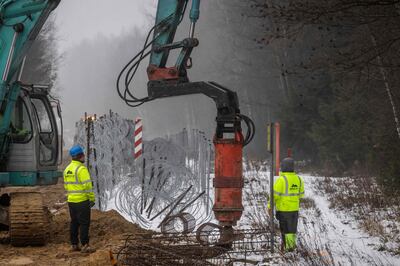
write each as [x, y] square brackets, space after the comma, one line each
[47, 131]
[21, 125]
[43, 116]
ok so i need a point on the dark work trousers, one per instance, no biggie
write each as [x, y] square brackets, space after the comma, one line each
[287, 223]
[80, 222]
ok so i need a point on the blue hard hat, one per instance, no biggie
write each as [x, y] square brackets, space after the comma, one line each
[75, 151]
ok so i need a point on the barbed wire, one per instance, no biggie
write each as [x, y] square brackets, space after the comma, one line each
[173, 175]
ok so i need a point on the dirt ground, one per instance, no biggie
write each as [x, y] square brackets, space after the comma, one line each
[106, 233]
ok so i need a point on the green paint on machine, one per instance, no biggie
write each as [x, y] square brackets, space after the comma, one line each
[29, 178]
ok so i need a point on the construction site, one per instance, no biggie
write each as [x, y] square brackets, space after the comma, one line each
[189, 132]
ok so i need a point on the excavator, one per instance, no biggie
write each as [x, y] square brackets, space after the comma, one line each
[31, 124]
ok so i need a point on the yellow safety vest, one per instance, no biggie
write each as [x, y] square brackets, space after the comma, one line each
[288, 190]
[77, 183]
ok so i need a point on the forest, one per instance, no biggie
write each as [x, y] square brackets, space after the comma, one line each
[341, 60]
[326, 70]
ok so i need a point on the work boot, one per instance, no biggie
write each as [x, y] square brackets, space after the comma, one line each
[87, 249]
[75, 248]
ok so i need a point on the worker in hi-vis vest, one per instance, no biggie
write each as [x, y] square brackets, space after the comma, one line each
[288, 190]
[79, 188]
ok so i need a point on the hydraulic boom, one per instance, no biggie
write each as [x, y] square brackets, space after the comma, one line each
[169, 81]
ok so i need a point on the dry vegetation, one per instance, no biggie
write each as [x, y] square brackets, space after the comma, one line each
[374, 213]
[256, 198]
[377, 212]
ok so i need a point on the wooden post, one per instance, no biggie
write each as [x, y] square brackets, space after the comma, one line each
[271, 149]
[277, 147]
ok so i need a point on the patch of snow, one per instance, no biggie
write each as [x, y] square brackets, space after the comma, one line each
[335, 230]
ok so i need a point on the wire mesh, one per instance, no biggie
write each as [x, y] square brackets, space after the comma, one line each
[184, 249]
[181, 223]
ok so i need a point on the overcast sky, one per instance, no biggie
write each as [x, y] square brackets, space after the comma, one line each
[98, 37]
[84, 19]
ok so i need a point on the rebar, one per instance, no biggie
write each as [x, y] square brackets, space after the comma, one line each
[181, 223]
[184, 249]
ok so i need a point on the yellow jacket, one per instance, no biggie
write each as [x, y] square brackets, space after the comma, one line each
[288, 190]
[77, 183]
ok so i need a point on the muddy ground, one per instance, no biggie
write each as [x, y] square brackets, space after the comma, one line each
[106, 233]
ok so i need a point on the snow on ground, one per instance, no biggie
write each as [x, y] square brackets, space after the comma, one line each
[124, 199]
[347, 244]
[331, 236]
[326, 236]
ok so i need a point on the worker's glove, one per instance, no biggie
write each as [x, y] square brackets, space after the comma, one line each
[91, 204]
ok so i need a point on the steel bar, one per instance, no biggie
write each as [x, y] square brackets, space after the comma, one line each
[143, 185]
[183, 249]
[180, 198]
[191, 202]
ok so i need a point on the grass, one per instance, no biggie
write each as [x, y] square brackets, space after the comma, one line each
[256, 198]
[376, 212]
[307, 203]
[343, 194]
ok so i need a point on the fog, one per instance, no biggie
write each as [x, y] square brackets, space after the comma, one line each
[97, 38]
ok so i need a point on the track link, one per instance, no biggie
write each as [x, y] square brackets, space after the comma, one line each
[28, 220]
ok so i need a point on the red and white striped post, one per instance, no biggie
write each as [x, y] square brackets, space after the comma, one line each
[138, 154]
[138, 138]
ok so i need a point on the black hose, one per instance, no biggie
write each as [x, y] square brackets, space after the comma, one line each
[133, 64]
[129, 70]
[251, 129]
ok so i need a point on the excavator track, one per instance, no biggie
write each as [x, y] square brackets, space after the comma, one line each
[28, 219]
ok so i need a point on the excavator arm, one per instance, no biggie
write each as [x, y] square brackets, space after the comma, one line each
[169, 15]
[20, 23]
[169, 81]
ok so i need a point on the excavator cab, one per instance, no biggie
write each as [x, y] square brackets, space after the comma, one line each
[36, 139]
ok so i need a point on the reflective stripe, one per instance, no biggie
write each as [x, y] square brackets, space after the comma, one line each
[289, 194]
[79, 191]
[77, 183]
[279, 193]
[294, 194]
[76, 174]
[286, 185]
